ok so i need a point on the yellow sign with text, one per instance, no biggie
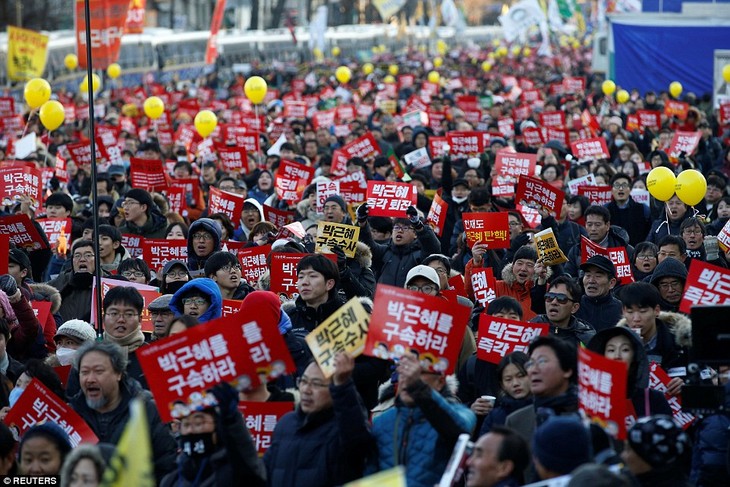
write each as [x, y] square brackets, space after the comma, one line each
[27, 53]
[548, 249]
[342, 235]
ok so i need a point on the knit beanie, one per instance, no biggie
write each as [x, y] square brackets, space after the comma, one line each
[142, 196]
[658, 440]
[337, 199]
[525, 252]
[561, 444]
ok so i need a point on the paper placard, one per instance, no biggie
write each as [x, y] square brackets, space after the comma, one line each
[330, 234]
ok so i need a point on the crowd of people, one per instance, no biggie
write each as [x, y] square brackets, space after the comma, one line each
[374, 414]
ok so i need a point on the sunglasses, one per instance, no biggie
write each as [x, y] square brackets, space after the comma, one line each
[559, 297]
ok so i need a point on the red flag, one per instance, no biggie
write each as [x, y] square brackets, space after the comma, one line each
[107, 27]
[211, 51]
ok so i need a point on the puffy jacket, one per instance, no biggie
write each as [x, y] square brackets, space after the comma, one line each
[358, 279]
[392, 262]
[242, 233]
[26, 335]
[709, 456]
[205, 286]
[577, 331]
[508, 286]
[196, 264]
[321, 449]
[421, 437]
[602, 312]
[503, 407]
[304, 317]
[634, 217]
[44, 292]
[154, 227]
[75, 290]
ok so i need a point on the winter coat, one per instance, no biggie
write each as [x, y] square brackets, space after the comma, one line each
[358, 279]
[321, 449]
[304, 317]
[242, 233]
[205, 286]
[602, 312]
[668, 268]
[421, 437]
[656, 234]
[75, 290]
[309, 217]
[26, 335]
[154, 227]
[616, 237]
[196, 264]
[710, 452]
[508, 286]
[392, 262]
[108, 427]
[567, 233]
[576, 332]
[503, 407]
[633, 217]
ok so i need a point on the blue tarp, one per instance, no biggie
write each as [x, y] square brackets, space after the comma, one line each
[651, 57]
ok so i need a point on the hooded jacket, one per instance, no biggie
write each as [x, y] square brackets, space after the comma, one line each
[669, 268]
[205, 286]
[656, 234]
[508, 286]
[196, 264]
[308, 216]
[258, 194]
[242, 233]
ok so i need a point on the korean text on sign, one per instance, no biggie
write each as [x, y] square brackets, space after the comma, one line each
[706, 285]
[261, 419]
[538, 192]
[22, 232]
[331, 234]
[158, 252]
[284, 273]
[498, 337]
[515, 164]
[437, 214]
[390, 199]
[602, 391]
[484, 286]
[253, 262]
[490, 229]
[658, 380]
[548, 249]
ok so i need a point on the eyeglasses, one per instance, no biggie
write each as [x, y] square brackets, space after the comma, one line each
[689, 231]
[128, 315]
[202, 236]
[180, 274]
[400, 228]
[440, 270]
[645, 257]
[303, 381]
[130, 202]
[559, 297]
[227, 188]
[194, 301]
[161, 313]
[230, 267]
[621, 186]
[86, 256]
[250, 211]
[666, 286]
[129, 274]
[428, 288]
[536, 363]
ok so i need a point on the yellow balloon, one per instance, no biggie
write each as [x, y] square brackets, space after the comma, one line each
[95, 83]
[368, 68]
[336, 51]
[317, 53]
[205, 122]
[441, 46]
[661, 183]
[501, 51]
[393, 69]
[726, 73]
[114, 71]
[255, 89]
[516, 50]
[381, 48]
[675, 89]
[691, 186]
[622, 96]
[52, 114]
[389, 79]
[526, 51]
[496, 42]
[438, 62]
[37, 91]
[434, 77]
[486, 66]
[71, 61]
[154, 107]
[343, 74]
[608, 87]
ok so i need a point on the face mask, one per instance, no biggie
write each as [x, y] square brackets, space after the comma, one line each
[65, 355]
[14, 396]
[459, 199]
[174, 286]
[197, 445]
[473, 162]
[619, 142]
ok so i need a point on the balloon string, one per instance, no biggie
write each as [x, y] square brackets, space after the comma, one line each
[666, 220]
[30, 117]
[697, 214]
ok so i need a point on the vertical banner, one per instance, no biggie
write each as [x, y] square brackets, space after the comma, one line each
[437, 214]
[135, 17]
[108, 18]
[27, 52]
[602, 391]
[211, 51]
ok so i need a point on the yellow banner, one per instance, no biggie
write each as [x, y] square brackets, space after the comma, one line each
[330, 234]
[27, 53]
[548, 249]
[345, 330]
[132, 463]
[388, 8]
[394, 477]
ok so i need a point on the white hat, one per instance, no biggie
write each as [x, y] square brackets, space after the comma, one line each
[425, 272]
[77, 329]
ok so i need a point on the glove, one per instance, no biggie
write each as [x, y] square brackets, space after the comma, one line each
[412, 214]
[227, 398]
[362, 213]
[341, 257]
[8, 285]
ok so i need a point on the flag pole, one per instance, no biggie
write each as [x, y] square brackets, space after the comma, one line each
[94, 192]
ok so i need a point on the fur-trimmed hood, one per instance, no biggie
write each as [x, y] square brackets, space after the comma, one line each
[44, 292]
[678, 324]
[364, 255]
[509, 277]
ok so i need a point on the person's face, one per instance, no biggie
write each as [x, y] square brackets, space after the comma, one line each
[265, 181]
[676, 208]
[161, 321]
[549, 174]
[437, 170]
[209, 175]
[597, 283]
[333, 212]
[473, 178]
[177, 273]
[646, 261]
[422, 285]
[596, 228]
[195, 306]
[197, 423]
[619, 348]
[713, 194]
[323, 138]
[227, 186]
[670, 289]
[507, 313]
[203, 244]
[40, 456]
[177, 327]
[460, 191]
[312, 285]
[17, 273]
[693, 237]
[515, 382]
[310, 150]
[484, 466]
[642, 319]
[83, 259]
[403, 234]
[523, 270]
[99, 381]
[67, 342]
[634, 462]
[670, 251]
[620, 190]
[723, 210]
[515, 226]
[135, 275]
[547, 379]
[120, 320]
[442, 272]
[557, 311]
[419, 141]
[87, 234]
[104, 211]
[133, 210]
[228, 276]
[314, 390]
[56, 211]
[250, 215]
[107, 247]
[181, 172]
[84, 474]
[176, 233]
[574, 211]
[101, 188]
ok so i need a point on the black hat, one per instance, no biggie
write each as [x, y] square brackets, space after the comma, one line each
[497, 140]
[21, 258]
[140, 195]
[658, 440]
[525, 252]
[337, 199]
[460, 182]
[60, 199]
[602, 262]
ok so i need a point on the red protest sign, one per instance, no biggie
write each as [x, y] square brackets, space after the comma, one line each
[533, 136]
[484, 285]
[723, 113]
[552, 119]
[597, 195]
[176, 199]
[538, 192]
[21, 231]
[38, 404]
[674, 108]
[147, 174]
[685, 142]
[436, 146]
[437, 214]
[21, 181]
[503, 186]
[54, 227]
[529, 215]
[602, 391]
[353, 193]
[278, 217]
[295, 109]
[658, 380]
[233, 159]
[364, 146]
[158, 252]
[261, 419]
[133, 244]
[498, 337]
[41, 309]
[191, 186]
[324, 119]
[231, 307]
[284, 273]
[7, 106]
[594, 148]
[490, 229]
[465, 144]
[706, 285]
[574, 84]
[405, 321]
[618, 255]
[230, 204]
[515, 164]
[391, 199]
[253, 262]
[651, 119]
[291, 180]
[107, 20]
[149, 294]
[181, 367]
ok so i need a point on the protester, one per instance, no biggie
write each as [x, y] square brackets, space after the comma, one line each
[204, 238]
[598, 306]
[514, 392]
[653, 452]
[199, 298]
[84, 465]
[42, 450]
[562, 301]
[498, 460]
[141, 215]
[225, 269]
[161, 315]
[559, 446]
[317, 280]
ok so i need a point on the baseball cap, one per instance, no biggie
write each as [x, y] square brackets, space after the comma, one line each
[425, 272]
[602, 262]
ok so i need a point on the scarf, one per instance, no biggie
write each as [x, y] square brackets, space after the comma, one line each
[130, 342]
[8, 310]
[545, 407]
